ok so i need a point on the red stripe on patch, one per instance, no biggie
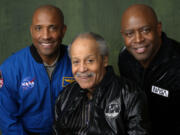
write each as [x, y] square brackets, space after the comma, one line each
[1, 80]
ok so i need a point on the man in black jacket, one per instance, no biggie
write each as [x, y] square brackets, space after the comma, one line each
[98, 102]
[152, 60]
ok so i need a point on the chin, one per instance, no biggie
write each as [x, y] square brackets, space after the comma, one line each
[85, 86]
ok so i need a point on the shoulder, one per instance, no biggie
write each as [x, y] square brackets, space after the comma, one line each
[125, 85]
[129, 87]
[123, 53]
[125, 59]
[67, 95]
[68, 91]
[16, 58]
[172, 44]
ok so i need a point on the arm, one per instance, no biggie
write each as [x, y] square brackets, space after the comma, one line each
[10, 124]
[58, 113]
[64, 100]
[136, 113]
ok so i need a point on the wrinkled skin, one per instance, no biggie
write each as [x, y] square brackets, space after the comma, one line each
[88, 66]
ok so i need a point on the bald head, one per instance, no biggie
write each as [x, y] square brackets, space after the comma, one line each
[49, 9]
[139, 10]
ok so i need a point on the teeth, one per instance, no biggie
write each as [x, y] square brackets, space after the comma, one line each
[45, 44]
[140, 50]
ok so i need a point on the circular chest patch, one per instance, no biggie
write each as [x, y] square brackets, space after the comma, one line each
[112, 110]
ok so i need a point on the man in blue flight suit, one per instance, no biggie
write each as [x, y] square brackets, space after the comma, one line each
[32, 78]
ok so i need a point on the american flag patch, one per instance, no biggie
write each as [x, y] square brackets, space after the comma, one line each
[1, 80]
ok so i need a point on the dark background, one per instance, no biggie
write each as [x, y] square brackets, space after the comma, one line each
[100, 16]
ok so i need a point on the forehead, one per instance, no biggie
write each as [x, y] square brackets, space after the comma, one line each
[84, 47]
[136, 20]
[46, 16]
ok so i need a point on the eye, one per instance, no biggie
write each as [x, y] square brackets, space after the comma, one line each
[89, 61]
[37, 28]
[52, 28]
[129, 34]
[75, 62]
[146, 30]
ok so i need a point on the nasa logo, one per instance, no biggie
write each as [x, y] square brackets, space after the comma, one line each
[27, 83]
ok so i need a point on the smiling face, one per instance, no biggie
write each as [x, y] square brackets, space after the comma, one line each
[47, 31]
[88, 66]
[141, 33]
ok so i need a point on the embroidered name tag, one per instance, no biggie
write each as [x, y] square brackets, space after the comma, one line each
[160, 91]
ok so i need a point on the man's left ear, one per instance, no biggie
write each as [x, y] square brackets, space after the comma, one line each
[64, 30]
[105, 60]
[159, 28]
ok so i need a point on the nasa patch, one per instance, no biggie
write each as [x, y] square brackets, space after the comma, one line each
[67, 80]
[27, 83]
[1, 80]
[112, 110]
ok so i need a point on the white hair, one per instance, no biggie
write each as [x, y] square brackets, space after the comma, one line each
[103, 48]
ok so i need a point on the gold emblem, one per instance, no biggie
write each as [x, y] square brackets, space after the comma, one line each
[67, 80]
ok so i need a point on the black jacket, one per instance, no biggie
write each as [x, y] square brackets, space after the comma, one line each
[161, 82]
[117, 108]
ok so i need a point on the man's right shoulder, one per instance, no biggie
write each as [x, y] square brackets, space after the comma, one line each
[124, 53]
[124, 56]
[16, 57]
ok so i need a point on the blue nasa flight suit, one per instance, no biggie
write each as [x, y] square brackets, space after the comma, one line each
[27, 95]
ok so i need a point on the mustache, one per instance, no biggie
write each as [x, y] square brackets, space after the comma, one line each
[90, 74]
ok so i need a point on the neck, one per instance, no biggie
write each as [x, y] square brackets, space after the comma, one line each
[50, 59]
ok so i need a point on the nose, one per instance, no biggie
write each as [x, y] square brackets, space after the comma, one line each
[139, 37]
[83, 67]
[45, 34]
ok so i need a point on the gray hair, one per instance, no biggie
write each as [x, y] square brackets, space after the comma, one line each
[103, 48]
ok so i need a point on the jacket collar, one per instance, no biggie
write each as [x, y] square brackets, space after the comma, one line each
[107, 77]
[166, 51]
[37, 57]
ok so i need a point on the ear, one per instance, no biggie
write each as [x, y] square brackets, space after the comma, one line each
[105, 61]
[64, 30]
[159, 29]
[31, 30]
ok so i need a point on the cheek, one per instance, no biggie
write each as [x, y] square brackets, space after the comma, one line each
[127, 42]
[94, 69]
[35, 35]
[150, 37]
[97, 71]
[74, 70]
[57, 35]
